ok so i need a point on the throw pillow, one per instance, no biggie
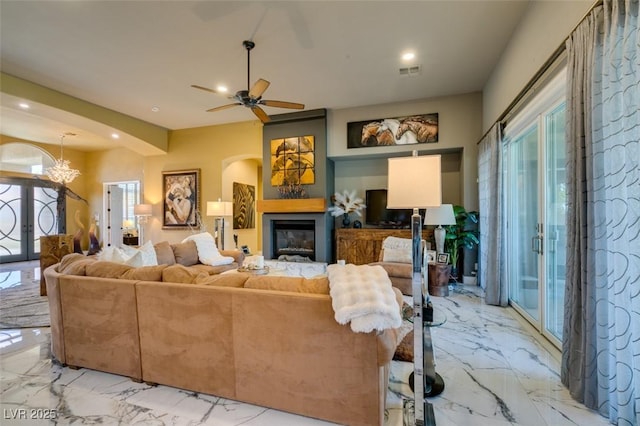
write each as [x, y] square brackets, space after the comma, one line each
[111, 254]
[164, 253]
[135, 260]
[186, 253]
[397, 255]
[208, 253]
[148, 252]
[397, 250]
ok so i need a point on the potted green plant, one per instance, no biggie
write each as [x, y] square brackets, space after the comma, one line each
[460, 236]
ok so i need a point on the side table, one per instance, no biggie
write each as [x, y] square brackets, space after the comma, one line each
[52, 249]
[438, 277]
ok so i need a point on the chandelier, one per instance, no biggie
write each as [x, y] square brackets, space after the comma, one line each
[61, 172]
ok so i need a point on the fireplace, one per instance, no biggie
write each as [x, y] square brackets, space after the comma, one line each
[294, 240]
[297, 235]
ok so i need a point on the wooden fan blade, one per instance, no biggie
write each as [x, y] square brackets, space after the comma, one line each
[258, 88]
[206, 89]
[220, 108]
[259, 112]
[282, 104]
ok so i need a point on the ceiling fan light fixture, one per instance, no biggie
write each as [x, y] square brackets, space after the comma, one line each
[251, 97]
[60, 172]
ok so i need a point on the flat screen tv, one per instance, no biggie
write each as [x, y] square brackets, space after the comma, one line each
[377, 213]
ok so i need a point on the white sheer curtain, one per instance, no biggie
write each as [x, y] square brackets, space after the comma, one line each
[490, 218]
[601, 336]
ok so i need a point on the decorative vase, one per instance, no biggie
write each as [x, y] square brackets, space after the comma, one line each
[346, 220]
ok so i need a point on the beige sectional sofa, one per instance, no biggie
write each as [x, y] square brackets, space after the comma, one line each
[266, 340]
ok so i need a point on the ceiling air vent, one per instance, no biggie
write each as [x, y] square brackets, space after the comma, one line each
[415, 70]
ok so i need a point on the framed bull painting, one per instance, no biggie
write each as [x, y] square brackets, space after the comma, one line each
[407, 130]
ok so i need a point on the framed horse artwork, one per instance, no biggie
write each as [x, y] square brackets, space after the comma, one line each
[413, 129]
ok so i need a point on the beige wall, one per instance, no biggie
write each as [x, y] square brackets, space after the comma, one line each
[545, 26]
[115, 165]
[209, 149]
[248, 172]
[460, 121]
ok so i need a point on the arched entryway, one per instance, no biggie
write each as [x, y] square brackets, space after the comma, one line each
[28, 205]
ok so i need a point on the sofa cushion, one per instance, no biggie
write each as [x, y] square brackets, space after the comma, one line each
[214, 270]
[145, 273]
[164, 253]
[106, 269]
[75, 264]
[186, 253]
[224, 280]
[182, 274]
[293, 284]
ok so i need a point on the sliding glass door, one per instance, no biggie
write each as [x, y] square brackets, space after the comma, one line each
[523, 219]
[555, 230]
[535, 210]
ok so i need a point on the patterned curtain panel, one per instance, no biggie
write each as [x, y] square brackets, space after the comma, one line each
[601, 336]
[490, 219]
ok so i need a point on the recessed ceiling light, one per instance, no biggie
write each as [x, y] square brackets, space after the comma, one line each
[222, 89]
[155, 109]
[408, 56]
[23, 105]
[115, 136]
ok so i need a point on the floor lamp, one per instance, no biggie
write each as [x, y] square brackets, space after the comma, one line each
[415, 182]
[442, 215]
[143, 212]
[219, 209]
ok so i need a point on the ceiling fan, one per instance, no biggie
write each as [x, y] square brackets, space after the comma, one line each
[252, 98]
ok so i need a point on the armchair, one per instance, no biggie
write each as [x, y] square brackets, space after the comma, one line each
[395, 258]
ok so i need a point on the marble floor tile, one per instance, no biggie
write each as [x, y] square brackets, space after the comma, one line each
[495, 374]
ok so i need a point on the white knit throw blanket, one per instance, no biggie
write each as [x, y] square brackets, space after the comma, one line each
[363, 295]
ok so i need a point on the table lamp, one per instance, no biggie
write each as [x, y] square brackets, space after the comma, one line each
[219, 209]
[415, 182]
[442, 215]
[143, 212]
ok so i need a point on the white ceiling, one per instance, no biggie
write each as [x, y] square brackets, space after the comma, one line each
[131, 56]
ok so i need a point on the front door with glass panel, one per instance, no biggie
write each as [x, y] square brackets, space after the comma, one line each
[27, 212]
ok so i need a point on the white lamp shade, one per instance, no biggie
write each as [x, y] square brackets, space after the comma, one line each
[219, 208]
[442, 215]
[142, 210]
[414, 182]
